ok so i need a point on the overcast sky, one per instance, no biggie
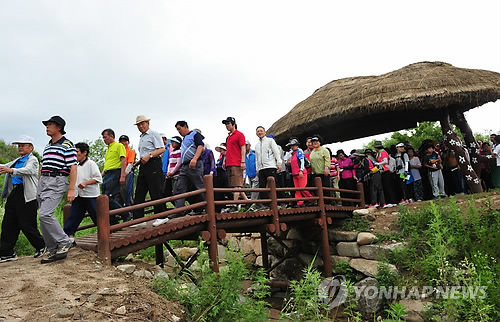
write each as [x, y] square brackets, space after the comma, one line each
[99, 64]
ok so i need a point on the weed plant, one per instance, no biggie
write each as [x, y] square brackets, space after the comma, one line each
[218, 296]
[357, 223]
[453, 244]
[304, 303]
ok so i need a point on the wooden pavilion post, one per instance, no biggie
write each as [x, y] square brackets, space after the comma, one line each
[454, 143]
[212, 225]
[458, 118]
[325, 244]
[271, 183]
[103, 232]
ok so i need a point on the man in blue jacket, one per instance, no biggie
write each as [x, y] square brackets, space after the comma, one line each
[251, 170]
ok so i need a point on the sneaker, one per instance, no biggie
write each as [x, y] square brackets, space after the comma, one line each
[40, 252]
[402, 202]
[386, 206]
[62, 251]
[72, 241]
[373, 206]
[8, 258]
[48, 258]
[160, 221]
[140, 225]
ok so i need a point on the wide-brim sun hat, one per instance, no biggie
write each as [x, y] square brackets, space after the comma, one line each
[292, 142]
[141, 118]
[378, 144]
[359, 153]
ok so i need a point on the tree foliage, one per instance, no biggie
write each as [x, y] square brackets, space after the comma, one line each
[97, 151]
[424, 131]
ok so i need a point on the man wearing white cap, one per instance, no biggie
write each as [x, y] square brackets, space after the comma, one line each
[20, 185]
[151, 176]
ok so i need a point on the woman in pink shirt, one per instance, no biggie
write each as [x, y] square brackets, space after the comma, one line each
[347, 176]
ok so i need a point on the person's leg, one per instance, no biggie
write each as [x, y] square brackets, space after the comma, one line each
[52, 192]
[440, 181]
[141, 189]
[419, 190]
[433, 178]
[155, 179]
[181, 186]
[75, 217]
[254, 183]
[10, 226]
[27, 221]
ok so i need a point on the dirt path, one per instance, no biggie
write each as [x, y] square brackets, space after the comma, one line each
[78, 288]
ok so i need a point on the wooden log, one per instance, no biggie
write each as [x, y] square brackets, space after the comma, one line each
[212, 222]
[103, 232]
[271, 183]
[325, 245]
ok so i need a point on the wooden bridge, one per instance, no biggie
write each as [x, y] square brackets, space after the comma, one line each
[112, 241]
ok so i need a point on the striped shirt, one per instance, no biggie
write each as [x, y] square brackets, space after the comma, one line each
[59, 156]
[174, 162]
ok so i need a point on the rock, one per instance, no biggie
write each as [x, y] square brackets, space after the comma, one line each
[233, 243]
[258, 261]
[128, 268]
[64, 312]
[294, 234]
[337, 259]
[257, 249]
[376, 251]
[94, 298]
[247, 245]
[143, 273]
[370, 217]
[369, 267]
[175, 318]
[361, 212]
[130, 258]
[290, 269]
[338, 235]
[414, 308]
[185, 252]
[307, 258]
[161, 274]
[350, 249]
[106, 291]
[395, 213]
[121, 310]
[309, 247]
[366, 238]
[221, 251]
[369, 302]
[250, 259]
[139, 273]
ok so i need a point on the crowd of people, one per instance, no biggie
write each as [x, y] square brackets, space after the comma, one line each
[169, 166]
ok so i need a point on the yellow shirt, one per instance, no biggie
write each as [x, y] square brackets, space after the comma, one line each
[113, 154]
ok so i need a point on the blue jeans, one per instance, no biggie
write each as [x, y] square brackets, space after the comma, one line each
[78, 208]
[111, 184]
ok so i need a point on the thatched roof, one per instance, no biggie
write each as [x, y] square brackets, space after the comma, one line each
[357, 107]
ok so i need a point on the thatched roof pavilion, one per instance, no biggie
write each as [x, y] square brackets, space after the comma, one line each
[357, 107]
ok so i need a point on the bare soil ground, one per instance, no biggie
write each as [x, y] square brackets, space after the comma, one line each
[78, 288]
[82, 288]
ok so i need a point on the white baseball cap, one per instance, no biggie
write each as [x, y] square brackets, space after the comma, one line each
[24, 139]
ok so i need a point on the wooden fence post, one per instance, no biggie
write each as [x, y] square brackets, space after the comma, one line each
[103, 232]
[361, 189]
[212, 222]
[271, 183]
[325, 244]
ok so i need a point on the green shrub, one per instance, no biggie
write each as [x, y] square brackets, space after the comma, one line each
[357, 223]
[218, 296]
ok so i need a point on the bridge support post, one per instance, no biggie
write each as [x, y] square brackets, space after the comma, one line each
[103, 232]
[212, 224]
[361, 189]
[325, 245]
[271, 183]
[265, 252]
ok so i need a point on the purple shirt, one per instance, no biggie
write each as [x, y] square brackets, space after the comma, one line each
[346, 173]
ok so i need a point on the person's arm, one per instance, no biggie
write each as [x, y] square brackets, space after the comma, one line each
[199, 151]
[30, 168]
[327, 163]
[243, 154]
[72, 182]
[257, 157]
[277, 154]
[123, 161]
[417, 165]
[153, 154]
[213, 169]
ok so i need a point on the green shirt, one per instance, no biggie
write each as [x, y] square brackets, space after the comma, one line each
[113, 154]
[320, 160]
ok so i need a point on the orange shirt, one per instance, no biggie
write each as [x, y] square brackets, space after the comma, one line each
[130, 154]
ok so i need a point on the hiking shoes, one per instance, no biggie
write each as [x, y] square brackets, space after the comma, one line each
[8, 258]
[160, 221]
[62, 251]
[48, 258]
[40, 252]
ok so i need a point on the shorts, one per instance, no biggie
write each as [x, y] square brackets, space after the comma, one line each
[234, 176]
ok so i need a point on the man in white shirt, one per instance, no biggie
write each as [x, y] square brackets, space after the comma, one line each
[88, 179]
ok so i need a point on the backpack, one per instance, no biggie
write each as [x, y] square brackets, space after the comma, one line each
[392, 164]
[307, 163]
